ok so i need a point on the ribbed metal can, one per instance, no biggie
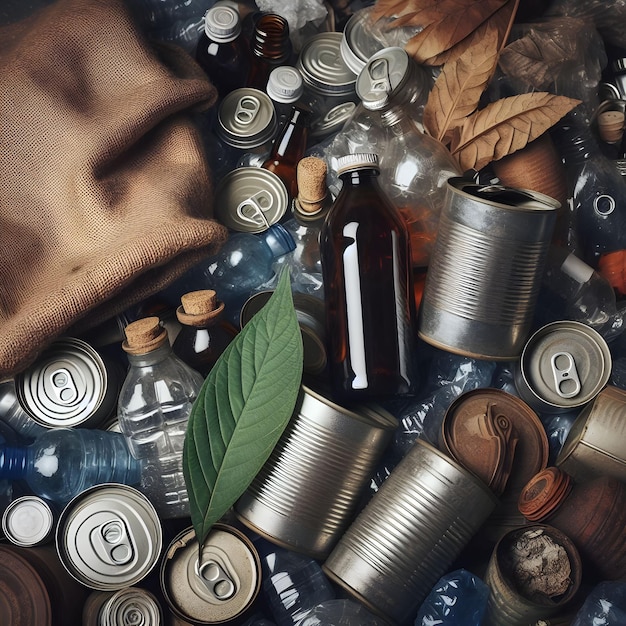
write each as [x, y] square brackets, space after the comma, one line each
[307, 493]
[485, 271]
[131, 606]
[410, 533]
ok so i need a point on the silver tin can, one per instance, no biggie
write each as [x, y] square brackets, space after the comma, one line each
[28, 521]
[563, 366]
[217, 586]
[307, 493]
[485, 271]
[357, 42]
[250, 199]
[596, 444]
[109, 537]
[70, 384]
[410, 533]
[131, 606]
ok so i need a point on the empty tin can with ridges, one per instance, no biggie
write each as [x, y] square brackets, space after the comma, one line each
[410, 533]
[485, 271]
[307, 492]
[131, 606]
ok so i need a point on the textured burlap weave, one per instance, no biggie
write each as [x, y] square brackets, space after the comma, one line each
[105, 194]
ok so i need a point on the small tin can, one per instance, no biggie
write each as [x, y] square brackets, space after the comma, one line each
[28, 521]
[410, 533]
[109, 537]
[70, 384]
[485, 270]
[217, 586]
[596, 443]
[250, 199]
[357, 42]
[129, 607]
[563, 366]
[307, 492]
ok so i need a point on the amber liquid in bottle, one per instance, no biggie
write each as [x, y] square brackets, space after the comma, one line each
[270, 47]
[368, 287]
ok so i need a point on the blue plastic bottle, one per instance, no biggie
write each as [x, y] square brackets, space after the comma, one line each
[63, 462]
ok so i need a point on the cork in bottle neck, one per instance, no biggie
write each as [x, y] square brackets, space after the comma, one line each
[544, 493]
[199, 308]
[313, 197]
[143, 336]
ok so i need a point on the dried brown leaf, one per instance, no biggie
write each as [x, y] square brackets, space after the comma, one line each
[506, 126]
[458, 88]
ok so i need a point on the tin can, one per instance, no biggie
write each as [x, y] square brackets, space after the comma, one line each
[109, 537]
[485, 270]
[410, 533]
[28, 521]
[130, 606]
[70, 384]
[216, 587]
[563, 366]
[307, 492]
[516, 564]
[250, 199]
[596, 443]
[311, 317]
[357, 42]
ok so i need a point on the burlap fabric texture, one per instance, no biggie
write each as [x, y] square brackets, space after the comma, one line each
[105, 192]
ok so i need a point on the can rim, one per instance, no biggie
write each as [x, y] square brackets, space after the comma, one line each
[47, 516]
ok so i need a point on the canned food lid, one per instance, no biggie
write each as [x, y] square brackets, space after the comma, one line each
[218, 586]
[250, 199]
[565, 364]
[222, 23]
[357, 43]
[334, 119]
[285, 84]
[109, 537]
[28, 521]
[131, 606]
[246, 118]
[65, 386]
[357, 161]
[322, 66]
[385, 73]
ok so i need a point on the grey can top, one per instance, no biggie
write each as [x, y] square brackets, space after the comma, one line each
[357, 43]
[28, 521]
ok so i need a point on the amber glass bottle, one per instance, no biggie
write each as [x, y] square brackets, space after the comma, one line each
[365, 253]
[270, 47]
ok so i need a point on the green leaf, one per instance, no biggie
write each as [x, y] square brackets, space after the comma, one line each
[242, 409]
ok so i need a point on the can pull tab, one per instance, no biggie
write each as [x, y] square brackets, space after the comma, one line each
[379, 75]
[247, 109]
[566, 378]
[63, 386]
[253, 209]
[216, 579]
[112, 543]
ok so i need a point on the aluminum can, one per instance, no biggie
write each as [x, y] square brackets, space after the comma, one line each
[357, 42]
[28, 521]
[485, 270]
[410, 533]
[596, 443]
[307, 492]
[70, 384]
[129, 607]
[563, 366]
[506, 605]
[109, 537]
[218, 587]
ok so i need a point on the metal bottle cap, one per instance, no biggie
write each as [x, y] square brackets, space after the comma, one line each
[246, 118]
[28, 521]
[250, 199]
[356, 161]
[109, 537]
[285, 84]
[357, 44]
[222, 23]
[383, 76]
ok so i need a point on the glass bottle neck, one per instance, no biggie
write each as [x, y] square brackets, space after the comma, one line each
[365, 175]
[153, 357]
[13, 461]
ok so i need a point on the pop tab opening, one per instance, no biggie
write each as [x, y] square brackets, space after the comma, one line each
[217, 580]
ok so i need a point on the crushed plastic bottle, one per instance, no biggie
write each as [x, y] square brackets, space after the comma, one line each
[604, 606]
[340, 612]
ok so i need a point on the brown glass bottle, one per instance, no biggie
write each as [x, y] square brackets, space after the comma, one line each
[270, 47]
[288, 148]
[368, 289]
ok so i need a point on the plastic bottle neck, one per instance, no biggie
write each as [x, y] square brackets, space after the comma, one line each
[13, 462]
[278, 239]
[153, 357]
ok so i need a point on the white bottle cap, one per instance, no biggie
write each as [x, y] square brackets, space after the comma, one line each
[285, 84]
[357, 161]
[222, 23]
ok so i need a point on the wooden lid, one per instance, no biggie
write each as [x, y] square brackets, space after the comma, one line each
[144, 335]
[198, 308]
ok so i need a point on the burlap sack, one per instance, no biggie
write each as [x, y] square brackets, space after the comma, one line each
[105, 193]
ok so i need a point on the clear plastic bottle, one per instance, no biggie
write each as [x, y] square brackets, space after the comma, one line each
[368, 288]
[12, 413]
[340, 612]
[153, 409]
[62, 462]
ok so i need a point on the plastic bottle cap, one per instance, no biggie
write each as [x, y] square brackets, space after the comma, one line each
[144, 335]
[285, 84]
[222, 23]
[199, 307]
[356, 161]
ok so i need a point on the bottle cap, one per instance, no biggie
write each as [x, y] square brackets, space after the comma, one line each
[544, 493]
[222, 23]
[356, 161]
[279, 240]
[285, 84]
[199, 307]
[312, 191]
[144, 335]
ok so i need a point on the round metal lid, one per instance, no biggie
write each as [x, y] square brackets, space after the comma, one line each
[250, 199]
[219, 586]
[333, 120]
[383, 76]
[322, 66]
[28, 521]
[222, 23]
[565, 364]
[356, 161]
[109, 537]
[357, 43]
[65, 386]
[285, 84]
[246, 118]
[131, 606]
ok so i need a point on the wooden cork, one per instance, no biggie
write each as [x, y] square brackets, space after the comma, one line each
[611, 126]
[199, 307]
[144, 335]
[311, 175]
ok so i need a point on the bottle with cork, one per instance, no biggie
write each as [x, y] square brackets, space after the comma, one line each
[153, 408]
[205, 333]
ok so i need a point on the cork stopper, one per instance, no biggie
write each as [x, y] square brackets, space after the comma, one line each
[144, 335]
[311, 176]
[199, 308]
[544, 493]
[611, 126]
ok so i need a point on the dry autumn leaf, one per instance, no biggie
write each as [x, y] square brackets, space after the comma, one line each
[505, 126]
